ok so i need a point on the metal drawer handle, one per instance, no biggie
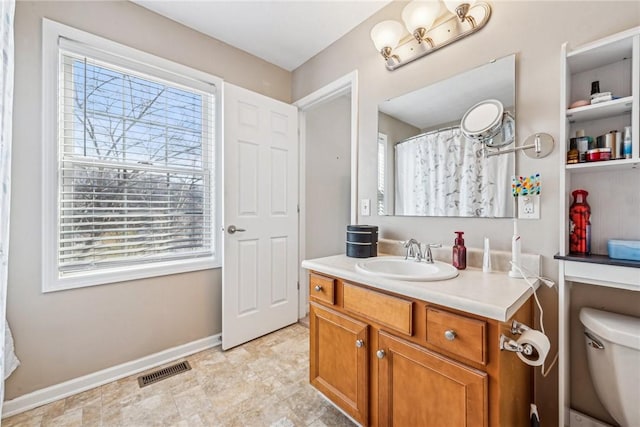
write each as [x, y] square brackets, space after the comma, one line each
[450, 335]
[380, 354]
[318, 288]
[359, 343]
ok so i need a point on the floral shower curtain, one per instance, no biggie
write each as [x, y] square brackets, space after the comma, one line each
[7, 8]
[444, 174]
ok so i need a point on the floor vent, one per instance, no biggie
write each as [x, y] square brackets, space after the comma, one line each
[161, 374]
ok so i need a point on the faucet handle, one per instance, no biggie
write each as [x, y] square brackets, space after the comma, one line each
[428, 256]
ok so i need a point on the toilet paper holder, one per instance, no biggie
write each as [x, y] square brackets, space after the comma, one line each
[518, 328]
[510, 344]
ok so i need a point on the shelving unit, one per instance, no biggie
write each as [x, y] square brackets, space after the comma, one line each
[613, 165]
[615, 107]
[614, 195]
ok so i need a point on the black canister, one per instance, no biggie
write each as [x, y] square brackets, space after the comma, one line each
[362, 241]
[361, 250]
[362, 236]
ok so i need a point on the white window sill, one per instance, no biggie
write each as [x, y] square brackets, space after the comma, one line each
[129, 273]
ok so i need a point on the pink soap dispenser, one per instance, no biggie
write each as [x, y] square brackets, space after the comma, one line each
[459, 260]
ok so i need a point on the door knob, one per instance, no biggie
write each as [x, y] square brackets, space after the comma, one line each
[380, 354]
[359, 343]
[232, 229]
[450, 335]
[318, 288]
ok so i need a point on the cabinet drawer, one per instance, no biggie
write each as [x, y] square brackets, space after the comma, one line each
[322, 288]
[457, 334]
[395, 313]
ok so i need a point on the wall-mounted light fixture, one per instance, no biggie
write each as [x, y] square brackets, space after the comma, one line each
[429, 30]
[461, 10]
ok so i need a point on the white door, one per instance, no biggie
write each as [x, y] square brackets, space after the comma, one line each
[259, 273]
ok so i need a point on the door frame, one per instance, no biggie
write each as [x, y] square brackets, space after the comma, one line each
[343, 85]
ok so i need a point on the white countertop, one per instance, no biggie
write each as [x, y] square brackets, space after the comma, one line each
[493, 295]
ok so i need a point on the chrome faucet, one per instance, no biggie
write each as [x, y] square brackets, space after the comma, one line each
[413, 250]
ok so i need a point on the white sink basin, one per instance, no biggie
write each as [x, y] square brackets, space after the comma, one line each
[398, 268]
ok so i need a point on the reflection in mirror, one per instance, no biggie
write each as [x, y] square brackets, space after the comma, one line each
[426, 167]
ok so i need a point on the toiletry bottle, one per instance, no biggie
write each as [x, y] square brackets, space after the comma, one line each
[459, 252]
[515, 252]
[583, 143]
[626, 143]
[486, 257]
[580, 224]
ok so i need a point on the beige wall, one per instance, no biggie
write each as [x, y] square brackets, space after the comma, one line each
[327, 176]
[534, 30]
[63, 335]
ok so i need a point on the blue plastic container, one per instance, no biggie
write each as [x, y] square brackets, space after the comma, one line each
[624, 249]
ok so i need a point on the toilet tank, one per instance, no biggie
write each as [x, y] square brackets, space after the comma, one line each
[614, 369]
[613, 327]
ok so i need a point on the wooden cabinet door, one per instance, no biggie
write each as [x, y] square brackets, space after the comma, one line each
[339, 360]
[417, 387]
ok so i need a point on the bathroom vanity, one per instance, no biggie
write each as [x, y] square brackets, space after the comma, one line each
[390, 352]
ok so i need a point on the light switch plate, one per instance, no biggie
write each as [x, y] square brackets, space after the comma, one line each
[529, 207]
[365, 207]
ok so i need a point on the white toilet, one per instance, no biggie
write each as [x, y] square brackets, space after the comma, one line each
[613, 353]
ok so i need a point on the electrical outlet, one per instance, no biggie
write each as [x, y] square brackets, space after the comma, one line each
[529, 207]
[365, 207]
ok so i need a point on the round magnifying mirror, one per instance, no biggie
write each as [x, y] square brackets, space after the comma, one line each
[487, 122]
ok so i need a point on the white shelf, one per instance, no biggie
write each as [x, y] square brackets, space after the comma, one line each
[615, 107]
[601, 52]
[606, 165]
[611, 276]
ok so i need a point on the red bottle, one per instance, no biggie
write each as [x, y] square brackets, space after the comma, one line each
[580, 224]
[459, 258]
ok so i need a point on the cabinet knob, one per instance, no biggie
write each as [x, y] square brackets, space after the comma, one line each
[380, 354]
[318, 288]
[450, 335]
[359, 343]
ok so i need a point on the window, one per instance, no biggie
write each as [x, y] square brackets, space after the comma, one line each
[135, 166]
[382, 159]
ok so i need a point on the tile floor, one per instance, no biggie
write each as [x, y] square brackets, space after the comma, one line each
[261, 383]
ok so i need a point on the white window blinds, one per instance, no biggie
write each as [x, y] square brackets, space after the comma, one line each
[134, 169]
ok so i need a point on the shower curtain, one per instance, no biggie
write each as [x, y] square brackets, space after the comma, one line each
[7, 8]
[443, 174]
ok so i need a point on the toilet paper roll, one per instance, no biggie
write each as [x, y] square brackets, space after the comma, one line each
[540, 344]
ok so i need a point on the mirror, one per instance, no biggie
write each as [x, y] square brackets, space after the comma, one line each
[487, 122]
[427, 167]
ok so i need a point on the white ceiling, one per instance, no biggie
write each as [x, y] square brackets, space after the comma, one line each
[285, 33]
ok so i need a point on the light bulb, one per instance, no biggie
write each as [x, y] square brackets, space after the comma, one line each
[386, 34]
[420, 14]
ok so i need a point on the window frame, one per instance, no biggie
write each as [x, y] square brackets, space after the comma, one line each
[54, 36]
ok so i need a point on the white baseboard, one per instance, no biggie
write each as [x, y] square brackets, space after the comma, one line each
[96, 379]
